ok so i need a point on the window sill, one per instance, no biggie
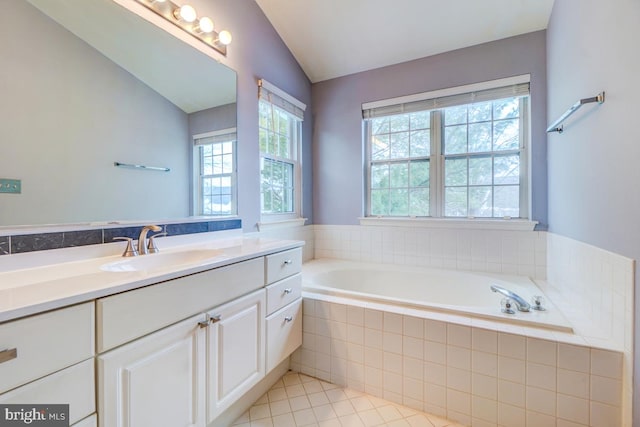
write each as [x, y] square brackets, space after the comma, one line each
[287, 223]
[463, 223]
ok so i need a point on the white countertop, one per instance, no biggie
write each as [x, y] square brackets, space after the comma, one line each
[31, 290]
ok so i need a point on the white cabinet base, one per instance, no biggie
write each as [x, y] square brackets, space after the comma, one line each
[157, 380]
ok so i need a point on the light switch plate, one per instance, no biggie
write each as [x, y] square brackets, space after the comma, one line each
[10, 186]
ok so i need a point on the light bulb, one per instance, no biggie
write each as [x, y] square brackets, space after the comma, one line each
[185, 13]
[224, 37]
[205, 24]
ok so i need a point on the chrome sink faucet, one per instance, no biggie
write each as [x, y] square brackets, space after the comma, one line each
[142, 239]
[520, 302]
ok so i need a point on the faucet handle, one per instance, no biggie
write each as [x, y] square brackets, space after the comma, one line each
[537, 303]
[130, 250]
[507, 306]
[151, 246]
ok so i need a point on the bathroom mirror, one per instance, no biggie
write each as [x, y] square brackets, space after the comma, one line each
[86, 83]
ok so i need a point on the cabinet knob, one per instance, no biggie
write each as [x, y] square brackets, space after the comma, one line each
[10, 354]
[287, 262]
[204, 323]
[288, 319]
[215, 319]
[288, 290]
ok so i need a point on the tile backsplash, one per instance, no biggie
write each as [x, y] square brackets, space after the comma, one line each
[41, 241]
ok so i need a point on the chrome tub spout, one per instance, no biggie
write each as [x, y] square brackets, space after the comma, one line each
[517, 299]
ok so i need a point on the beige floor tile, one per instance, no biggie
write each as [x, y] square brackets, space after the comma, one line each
[317, 399]
[324, 412]
[298, 400]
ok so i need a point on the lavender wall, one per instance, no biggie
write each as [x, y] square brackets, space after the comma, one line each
[212, 119]
[337, 141]
[593, 166]
[258, 52]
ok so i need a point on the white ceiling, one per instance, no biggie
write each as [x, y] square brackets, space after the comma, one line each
[332, 38]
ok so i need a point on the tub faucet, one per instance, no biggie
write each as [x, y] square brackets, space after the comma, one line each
[142, 239]
[520, 302]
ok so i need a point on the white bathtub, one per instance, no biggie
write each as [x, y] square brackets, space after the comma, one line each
[451, 291]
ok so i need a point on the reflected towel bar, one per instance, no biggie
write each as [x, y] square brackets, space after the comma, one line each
[150, 168]
[556, 126]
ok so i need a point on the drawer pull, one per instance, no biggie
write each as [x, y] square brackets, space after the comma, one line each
[204, 323]
[215, 319]
[6, 355]
[287, 262]
[288, 319]
[288, 290]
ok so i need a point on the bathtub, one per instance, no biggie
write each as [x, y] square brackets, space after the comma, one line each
[450, 291]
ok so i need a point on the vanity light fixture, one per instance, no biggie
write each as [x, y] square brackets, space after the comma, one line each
[185, 13]
[186, 17]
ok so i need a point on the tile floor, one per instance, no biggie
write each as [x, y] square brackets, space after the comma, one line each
[299, 400]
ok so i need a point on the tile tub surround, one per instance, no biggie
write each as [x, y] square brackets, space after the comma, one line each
[472, 375]
[494, 251]
[595, 288]
[39, 241]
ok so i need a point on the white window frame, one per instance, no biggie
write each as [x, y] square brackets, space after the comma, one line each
[219, 136]
[279, 99]
[437, 157]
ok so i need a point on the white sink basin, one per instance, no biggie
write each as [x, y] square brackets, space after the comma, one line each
[161, 260]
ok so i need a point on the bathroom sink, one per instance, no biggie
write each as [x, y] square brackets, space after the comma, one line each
[161, 260]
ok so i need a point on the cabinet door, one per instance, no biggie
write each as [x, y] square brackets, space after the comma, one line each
[156, 380]
[235, 357]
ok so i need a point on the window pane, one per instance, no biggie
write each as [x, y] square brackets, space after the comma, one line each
[507, 201]
[380, 125]
[399, 145]
[380, 176]
[455, 201]
[455, 115]
[480, 171]
[217, 165]
[455, 172]
[227, 163]
[506, 108]
[399, 123]
[480, 201]
[399, 203]
[207, 165]
[419, 174]
[380, 147]
[480, 112]
[506, 169]
[455, 139]
[419, 202]
[480, 137]
[399, 175]
[263, 136]
[380, 202]
[420, 143]
[421, 120]
[506, 135]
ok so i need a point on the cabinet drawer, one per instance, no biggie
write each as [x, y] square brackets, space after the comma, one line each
[124, 317]
[35, 346]
[284, 333]
[283, 264]
[283, 292]
[74, 386]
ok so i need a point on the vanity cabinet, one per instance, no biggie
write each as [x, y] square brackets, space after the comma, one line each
[157, 380]
[48, 359]
[236, 349]
[174, 353]
[284, 306]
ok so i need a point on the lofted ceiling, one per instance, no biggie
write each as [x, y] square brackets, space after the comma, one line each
[332, 38]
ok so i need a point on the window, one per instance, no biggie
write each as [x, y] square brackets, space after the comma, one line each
[215, 188]
[460, 155]
[280, 127]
